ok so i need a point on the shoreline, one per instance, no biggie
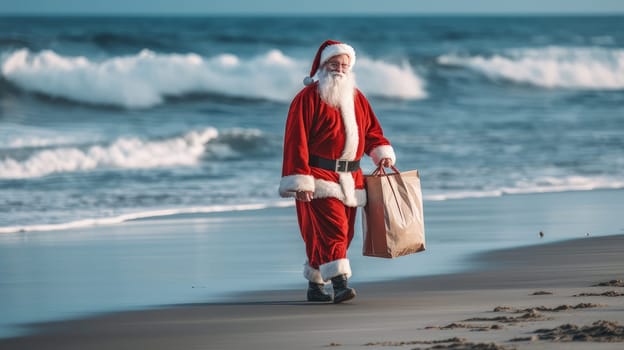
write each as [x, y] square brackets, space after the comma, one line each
[407, 310]
[212, 257]
[173, 213]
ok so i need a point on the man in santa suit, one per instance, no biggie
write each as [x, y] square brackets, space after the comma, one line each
[330, 126]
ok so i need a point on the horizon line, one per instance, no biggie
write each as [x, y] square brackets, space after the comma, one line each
[313, 14]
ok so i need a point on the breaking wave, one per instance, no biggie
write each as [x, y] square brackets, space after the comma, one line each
[589, 68]
[148, 78]
[135, 153]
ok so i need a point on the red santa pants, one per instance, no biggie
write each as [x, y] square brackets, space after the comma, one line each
[326, 226]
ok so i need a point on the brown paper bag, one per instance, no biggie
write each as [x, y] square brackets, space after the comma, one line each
[393, 221]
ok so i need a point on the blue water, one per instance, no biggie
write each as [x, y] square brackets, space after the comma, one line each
[105, 117]
[199, 258]
[107, 120]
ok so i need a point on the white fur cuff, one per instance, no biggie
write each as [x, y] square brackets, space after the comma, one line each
[380, 152]
[291, 184]
[335, 268]
[312, 274]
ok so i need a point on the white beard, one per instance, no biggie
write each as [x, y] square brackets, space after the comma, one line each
[336, 89]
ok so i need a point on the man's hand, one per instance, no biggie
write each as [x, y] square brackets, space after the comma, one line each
[304, 196]
[386, 162]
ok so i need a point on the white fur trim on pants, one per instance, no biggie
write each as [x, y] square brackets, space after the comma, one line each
[380, 152]
[335, 268]
[312, 274]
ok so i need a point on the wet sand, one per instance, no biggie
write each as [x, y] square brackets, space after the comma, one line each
[521, 298]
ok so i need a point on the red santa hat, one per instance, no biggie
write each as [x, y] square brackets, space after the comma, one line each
[327, 50]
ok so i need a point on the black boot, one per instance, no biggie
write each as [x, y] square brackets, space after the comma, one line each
[341, 291]
[316, 292]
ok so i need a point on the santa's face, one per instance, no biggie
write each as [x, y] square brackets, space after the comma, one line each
[338, 65]
[336, 81]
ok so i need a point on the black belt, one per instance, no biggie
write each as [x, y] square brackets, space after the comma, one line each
[339, 165]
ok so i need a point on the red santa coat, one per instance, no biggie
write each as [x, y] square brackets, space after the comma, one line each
[314, 127]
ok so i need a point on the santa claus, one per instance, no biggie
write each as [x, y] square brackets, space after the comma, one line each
[330, 126]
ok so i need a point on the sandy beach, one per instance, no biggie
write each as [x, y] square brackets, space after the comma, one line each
[142, 211]
[500, 305]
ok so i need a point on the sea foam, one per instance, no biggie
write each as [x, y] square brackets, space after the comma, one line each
[147, 78]
[16, 136]
[125, 152]
[542, 184]
[591, 68]
[150, 214]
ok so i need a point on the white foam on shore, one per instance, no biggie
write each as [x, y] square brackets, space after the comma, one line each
[185, 150]
[145, 79]
[540, 185]
[591, 68]
[544, 185]
[142, 215]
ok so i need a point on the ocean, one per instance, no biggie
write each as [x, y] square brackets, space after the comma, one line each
[104, 120]
[140, 157]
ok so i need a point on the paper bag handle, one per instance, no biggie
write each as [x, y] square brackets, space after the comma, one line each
[380, 170]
